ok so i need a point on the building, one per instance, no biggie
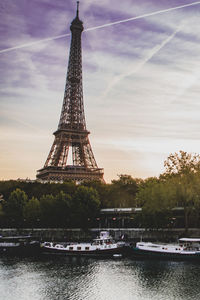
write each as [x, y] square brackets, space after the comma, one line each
[72, 133]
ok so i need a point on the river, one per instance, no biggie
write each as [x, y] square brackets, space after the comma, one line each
[88, 279]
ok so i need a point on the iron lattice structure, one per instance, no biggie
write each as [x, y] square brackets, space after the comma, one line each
[72, 130]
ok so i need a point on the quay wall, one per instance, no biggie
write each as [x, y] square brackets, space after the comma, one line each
[77, 234]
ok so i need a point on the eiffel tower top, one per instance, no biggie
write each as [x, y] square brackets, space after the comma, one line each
[72, 115]
[77, 23]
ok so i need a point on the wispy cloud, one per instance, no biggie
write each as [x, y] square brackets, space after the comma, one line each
[146, 67]
[101, 26]
[134, 69]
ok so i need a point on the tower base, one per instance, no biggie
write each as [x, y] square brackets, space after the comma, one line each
[75, 173]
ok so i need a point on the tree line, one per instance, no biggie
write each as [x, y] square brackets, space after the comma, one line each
[69, 204]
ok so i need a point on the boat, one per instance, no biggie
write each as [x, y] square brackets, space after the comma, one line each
[103, 246]
[19, 245]
[187, 248]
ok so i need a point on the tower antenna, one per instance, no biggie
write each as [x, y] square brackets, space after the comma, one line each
[77, 10]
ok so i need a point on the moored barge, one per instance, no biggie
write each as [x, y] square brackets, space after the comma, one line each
[187, 248]
[102, 246]
[19, 245]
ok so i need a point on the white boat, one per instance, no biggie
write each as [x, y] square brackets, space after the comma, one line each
[187, 248]
[103, 245]
[19, 245]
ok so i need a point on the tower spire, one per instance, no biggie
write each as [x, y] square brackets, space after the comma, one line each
[77, 10]
[72, 132]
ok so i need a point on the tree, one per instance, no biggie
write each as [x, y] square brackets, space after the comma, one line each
[32, 212]
[1, 211]
[14, 206]
[36, 189]
[157, 199]
[182, 163]
[184, 170]
[2, 214]
[62, 209]
[123, 191]
[86, 205]
[56, 210]
[102, 190]
[47, 209]
[143, 190]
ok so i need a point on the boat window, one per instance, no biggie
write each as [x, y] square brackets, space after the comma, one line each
[87, 248]
[108, 241]
[58, 246]
[78, 248]
[47, 244]
[71, 248]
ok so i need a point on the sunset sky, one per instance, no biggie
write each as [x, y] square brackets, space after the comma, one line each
[141, 81]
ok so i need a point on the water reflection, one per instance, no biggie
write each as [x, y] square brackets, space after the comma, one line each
[88, 279]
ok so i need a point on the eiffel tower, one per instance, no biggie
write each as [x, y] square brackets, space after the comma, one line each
[72, 130]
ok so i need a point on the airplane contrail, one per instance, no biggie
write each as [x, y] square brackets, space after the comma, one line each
[101, 26]
[144, 16]
[34, 43]
[140, 65]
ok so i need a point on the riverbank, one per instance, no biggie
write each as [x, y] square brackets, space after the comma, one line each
[77, 234]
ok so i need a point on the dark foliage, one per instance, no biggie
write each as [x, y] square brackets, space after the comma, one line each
[25, 203]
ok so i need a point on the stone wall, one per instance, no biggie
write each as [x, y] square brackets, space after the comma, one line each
[131, 234]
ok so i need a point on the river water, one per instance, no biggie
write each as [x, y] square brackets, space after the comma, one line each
[89, 279]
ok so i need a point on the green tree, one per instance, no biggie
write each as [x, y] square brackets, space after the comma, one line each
[32, 212]
[36, 189]
[62, 209]
[56, 210]
[184, 170]
[2, 214]
[102, 189]
[1, 211]
[86, 205]
[123, 191]
[182, 163]
[47, 210]
[14, 206]
[143, 190]
[157, 198]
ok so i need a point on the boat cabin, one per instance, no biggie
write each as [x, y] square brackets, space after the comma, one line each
[190, 243]
[104, 238]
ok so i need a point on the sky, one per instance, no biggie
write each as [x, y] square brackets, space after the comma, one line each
[141, 82]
